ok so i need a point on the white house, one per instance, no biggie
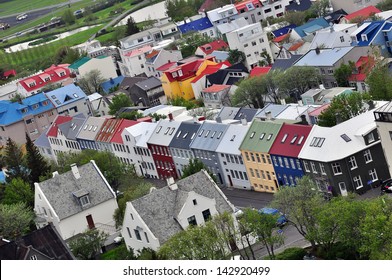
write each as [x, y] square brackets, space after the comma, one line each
[75, 201]
[157, 58]
[151, 220]
[133, 62]
[337, 35]
[251, 40]
[85, 65]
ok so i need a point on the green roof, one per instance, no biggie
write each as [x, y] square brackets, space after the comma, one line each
[261, 135]
[102, 56]
[79, 63]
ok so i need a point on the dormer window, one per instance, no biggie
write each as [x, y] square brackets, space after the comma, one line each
[370, 138]
[31, 84]
[180, 73]
[62, 74]
[35, 106]
[83, 197]
[45, 103]
[364, 37]
[24, 110]
[47, 79]
[84, 200]
[174, 74]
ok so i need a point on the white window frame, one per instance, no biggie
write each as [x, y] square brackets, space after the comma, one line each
[368, 156]
[322, 169]
[373, 174]
[306, 166]
[352, 163]
[357, 182]
[313, 166]
[335, 166]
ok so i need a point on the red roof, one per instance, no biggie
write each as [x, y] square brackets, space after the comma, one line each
[259, 71]
[213, 46]
[365, 12]
[145, 119]
[242, 5]
[206, 6]
[288, 142]
[9, 72]
[216, 88]
[281, 38]
[54, 72]
[166, 66]
[211, 69]
[183, 71]
[152, 54]
[364, 64]
[52, 132]
[108, 129]
[296, 46]
[319, 110]
[124, 123]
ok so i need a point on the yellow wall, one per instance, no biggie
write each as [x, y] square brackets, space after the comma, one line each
[256, 167]
[184, 88]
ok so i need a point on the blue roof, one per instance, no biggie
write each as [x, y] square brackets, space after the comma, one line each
[283, 30]
[303, 5]
[42, 140]
[106, 86]
[65, 95]
[387, 26]
[2, 177]
[370, 31]
[196, 25]
[14, 112]
[310, 25]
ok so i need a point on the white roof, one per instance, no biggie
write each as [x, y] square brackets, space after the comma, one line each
[334, 146]
[94, 96]
[385, 15]
[141, 132]
[233, 25]
[234, 135]
[362, 27]
[294, 111]
[164, 132]
[214, 15]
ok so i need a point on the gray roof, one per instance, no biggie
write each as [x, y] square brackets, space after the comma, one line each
[234, 135]
[183, 137]
[209, 135]
[60, 190]
[159, 209]
[129, 82]
[148, 84]
[140, 34]
[220, 55]
[228, 113]
[248, 113]
[71, 129]
[326, 57]
[42, 140]
[90, 128]
[275, 110]
[164, 132]
[285, 63]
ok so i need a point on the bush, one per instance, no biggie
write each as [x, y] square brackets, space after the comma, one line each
[292, 254]
[118, 253]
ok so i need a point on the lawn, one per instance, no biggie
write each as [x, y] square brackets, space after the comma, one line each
[10, 7]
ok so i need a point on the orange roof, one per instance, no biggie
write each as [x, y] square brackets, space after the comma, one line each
[365, 12]
[281, 38]
[259, 71]
[296, 46]
[211, 69]
[152, 54]
[216, 88]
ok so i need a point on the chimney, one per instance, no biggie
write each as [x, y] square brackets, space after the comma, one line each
[321, 86]
[55, 174]
[244, 121]
[75, 170]
[283, 101]
[171, 184]
[300, 103]
[218, 119]
[170, 115]
[268, 114]
[317, 50]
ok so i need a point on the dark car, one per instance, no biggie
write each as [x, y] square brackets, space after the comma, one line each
[386, 186]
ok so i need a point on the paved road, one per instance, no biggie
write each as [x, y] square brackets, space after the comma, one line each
[242, 198]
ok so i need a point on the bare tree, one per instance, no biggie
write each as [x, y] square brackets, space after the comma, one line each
[91, 82]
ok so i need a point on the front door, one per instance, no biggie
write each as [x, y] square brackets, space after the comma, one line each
[343, 189]
[90, 222]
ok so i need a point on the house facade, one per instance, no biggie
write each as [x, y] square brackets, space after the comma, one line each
[86, 201]
[85, 65]
[133, 62]
[355, 160]
[216, 96]
[157, 58]
[150, 221]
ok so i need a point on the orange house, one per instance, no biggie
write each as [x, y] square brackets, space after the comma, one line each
[176, 81]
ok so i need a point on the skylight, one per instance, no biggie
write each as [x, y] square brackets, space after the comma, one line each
[75, 95]
[193, 135]
[208, 132]
[284, 137]
[294, 139]
[159, 129]
[85, 127]
[345, 137]
[317, 142]
[167, 130]
[300, 140]
[252, 134]
[219, 135]
[201, 132]
[186, 134]
[178, 134]
[232, 138]
[213, 134]
[269, 137]
[262, 136]
[171, 131]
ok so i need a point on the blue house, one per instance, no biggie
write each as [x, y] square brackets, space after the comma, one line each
[69, 100]
[31, 115]
[285, 150]
[374, 33]
[202, 25]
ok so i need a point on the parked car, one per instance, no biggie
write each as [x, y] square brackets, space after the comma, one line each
[281, 221]
[21, 17]
[386, 186]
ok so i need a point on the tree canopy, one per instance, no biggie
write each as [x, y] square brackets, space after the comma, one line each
[18, 191]
[35, 162]
[118, 102]
[87, 245]
[380, 82]
[236, 56]
[194, 166]
[91, 82]
[342, 74]
[131, 27]
[14, 161]
[15, 220]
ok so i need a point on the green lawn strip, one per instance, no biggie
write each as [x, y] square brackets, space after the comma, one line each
[19, 6]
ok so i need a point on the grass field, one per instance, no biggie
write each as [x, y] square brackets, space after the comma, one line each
[9, 7]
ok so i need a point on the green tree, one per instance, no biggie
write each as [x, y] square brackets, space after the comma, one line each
[380, 82]
[15, 220]
[117, 34]
[297, 80]
[190, 42]
[298, 17]
[14, 161]
[300, 205]
[320, 7]
[134, 115]
[264, 226]
[342, 74]
[35, 162]
[342, 107]
[251, 92]
[133, 192]
[236, 56]
[66, 54]
[194, 166]
[87, 245]
[18, 191]
[118, 102]
[131, 27]
[91, 82]
[385, 5]
[68, 17]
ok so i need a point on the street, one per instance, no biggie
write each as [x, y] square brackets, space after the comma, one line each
[243, 198]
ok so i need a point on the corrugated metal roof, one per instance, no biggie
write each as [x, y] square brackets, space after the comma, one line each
[164, 132]
[209, 135]
[234, 136]
[186, 132]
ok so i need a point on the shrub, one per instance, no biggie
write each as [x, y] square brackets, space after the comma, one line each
[292, 254]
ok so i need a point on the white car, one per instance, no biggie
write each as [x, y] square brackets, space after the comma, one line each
[21, 17]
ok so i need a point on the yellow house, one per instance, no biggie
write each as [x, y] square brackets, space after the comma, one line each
[176, 81]
[254, 149]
